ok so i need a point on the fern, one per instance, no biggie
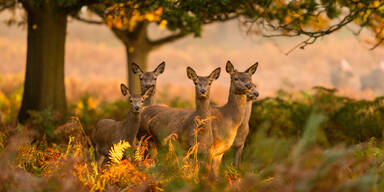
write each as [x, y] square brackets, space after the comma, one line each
[117, 151]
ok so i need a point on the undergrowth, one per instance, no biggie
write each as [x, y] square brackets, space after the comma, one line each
[307, 141]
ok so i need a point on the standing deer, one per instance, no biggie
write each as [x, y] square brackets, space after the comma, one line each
[147, 80]
[181, 121]
[243, 130]
[108, 131]
[230, 116]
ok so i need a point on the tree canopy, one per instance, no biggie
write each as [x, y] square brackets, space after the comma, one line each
[315, 19]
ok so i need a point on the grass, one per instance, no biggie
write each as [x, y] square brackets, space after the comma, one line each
[304, 141]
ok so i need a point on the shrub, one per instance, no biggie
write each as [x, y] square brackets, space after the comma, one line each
[347, 120]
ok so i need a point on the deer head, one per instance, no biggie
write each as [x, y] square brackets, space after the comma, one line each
[241, 82]
[135, 100]
[253, 94]
[203, 83]
[148, 79]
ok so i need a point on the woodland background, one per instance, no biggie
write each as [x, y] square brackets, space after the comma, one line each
[304, 134]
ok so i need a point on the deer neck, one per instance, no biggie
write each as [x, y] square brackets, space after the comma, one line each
[248, 110]
[202, 107]
[150, 100]
[236, 105]
[131, 125]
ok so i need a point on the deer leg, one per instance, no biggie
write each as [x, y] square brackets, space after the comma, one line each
[98, 156]
[239, 153]
[215, 166]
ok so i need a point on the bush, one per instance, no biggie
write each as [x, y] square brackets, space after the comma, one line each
[347, 120]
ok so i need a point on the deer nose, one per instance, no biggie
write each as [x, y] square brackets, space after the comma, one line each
[137, 108]
[248, 85]
[203, 91]
[148, 86]
[256, 94]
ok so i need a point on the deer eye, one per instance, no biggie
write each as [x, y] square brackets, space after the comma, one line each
[236, 79]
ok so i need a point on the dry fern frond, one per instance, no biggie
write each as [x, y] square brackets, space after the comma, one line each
[117, 151]
[200, 122]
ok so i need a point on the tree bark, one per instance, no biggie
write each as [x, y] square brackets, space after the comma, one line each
[137, 49]
[139, 55]
[44, 76]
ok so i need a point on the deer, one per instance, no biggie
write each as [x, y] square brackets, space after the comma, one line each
[148, 80]
[108, 131]
[229, 117]
[167, 120]
[243, 130]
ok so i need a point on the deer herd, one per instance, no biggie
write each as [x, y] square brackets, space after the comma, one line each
[221, 128]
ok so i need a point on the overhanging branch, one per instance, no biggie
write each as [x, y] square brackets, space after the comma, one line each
[294, 29]
[168, 39]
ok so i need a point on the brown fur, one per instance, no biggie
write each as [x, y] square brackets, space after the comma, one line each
[147, 80]
[230, 116]
[108, 131]
[243, 130]
[161, 121]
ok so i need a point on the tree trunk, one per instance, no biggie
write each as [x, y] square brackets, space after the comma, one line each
[44, 76]
[137, 49]
[139, 55]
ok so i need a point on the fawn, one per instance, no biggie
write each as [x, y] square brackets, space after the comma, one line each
[108, 131]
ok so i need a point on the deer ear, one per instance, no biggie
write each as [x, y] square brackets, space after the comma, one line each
[136, 69]
[191, 74]
[229, 68]
[252, 69]
[160, 68]
[124, 90]
[148, 92]
[215, 74]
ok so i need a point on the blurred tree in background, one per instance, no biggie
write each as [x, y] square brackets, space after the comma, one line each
[44, 77]
[129, 20]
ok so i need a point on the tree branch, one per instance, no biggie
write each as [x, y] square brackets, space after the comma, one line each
[120, 35]
[168, 39]
[223, 19]
[377, 44]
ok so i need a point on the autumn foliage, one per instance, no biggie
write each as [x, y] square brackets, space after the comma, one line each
[296, 143]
